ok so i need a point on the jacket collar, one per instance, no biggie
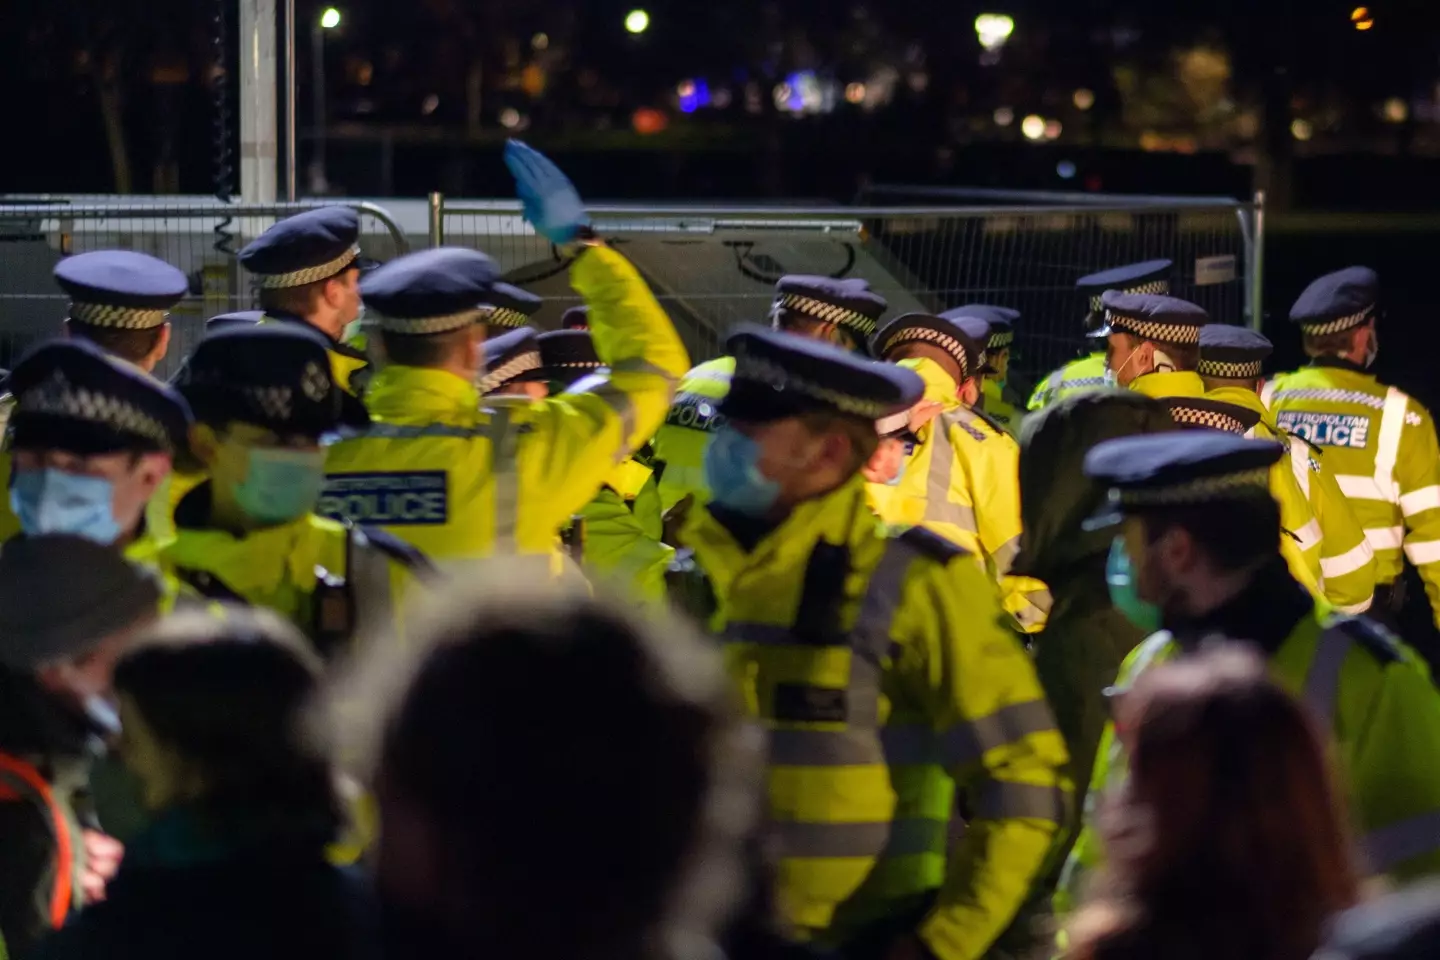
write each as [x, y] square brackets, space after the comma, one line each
[1175, 383]
[1265, 612]
[422, 395]
[293, 553]
[1248, 399]
[1340, 363]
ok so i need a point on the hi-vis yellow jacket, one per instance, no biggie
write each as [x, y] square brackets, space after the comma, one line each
[461, 482]
[1000, 409]
[1347, 563]
[348, 363]
[691, 421]
[1381, 445]
[882, 671]
[622, 531]
[1086, 373]
[962, 481]
[1300, 544]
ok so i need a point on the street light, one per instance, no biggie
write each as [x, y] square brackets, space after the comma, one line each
[329, 20]
[637, 21]
[993, 29]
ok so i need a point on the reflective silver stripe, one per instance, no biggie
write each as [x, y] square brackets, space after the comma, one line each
[938, 506]
[367, 577]
[641, 365]
[1347, 562]
[1361, 488]
[1387, 447]
[1423, 552]
[1322, 682]
[1309, 536]
[1389, 846]
[1355, 609]
[888, 839]
[623, 407]
[767, 634]
[400, 431]
[1385, 538]
[1002, 799]
[1418, 501]
[504, 472]
[1267, 393]
[1004, 555]
[1300, 464]
[968, 742]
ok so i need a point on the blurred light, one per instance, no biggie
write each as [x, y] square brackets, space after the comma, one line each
[637, 21]
[686, 88]
[1359, 13]
[509, 118]
[541, 41]
[648, 120]
[993, 29]
[1004, 116]
[330, 19]
[1364, 24]
[722, 98]
[918, 81]
[1301, 129]
[1065, 169]
[1052, 129]
[1395, 110]
[782, 94]
[365, 74]
[1033, 127]
[430, 104]
[1084, 99]
[693, 95]
[854, 92]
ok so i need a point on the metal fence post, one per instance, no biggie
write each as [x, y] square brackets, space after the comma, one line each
[437, 219]
[1257, 264]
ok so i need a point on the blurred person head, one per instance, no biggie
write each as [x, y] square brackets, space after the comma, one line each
[92, 439]
[429, 310]
[1337, 313]
[1228, 838]
[1233, 357]
[841, 312]
[119, 300]
[513, 366]
[1001, 324]
[802, 418]
[954, 343]
[631, 777]
[210, 712]
[576, 318]
[1401, 926]
[1149, 333]
[1151, 276]
[507, 308]
[308, 266]
[68, 608]
[265, 401]
[567, 357]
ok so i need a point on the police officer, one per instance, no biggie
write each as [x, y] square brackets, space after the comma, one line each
[843, 312]
[463, 482]
[120, 300]
[997, 398]
[1231, 359]
[962, 477]
[1152, 276]
[1152, 343]
[93, 439]
[308, 268]
[1194, 557]
[877, 665]
[1208, 413]
[575, 318]
[512, 366]
[1379, 441]
[507, 307]
[264, 402]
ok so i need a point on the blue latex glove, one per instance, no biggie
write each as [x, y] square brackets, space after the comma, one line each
[551, 202]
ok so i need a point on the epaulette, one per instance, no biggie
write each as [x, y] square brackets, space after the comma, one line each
[957, 418]
[931, 544]
[990, 419]
[1377, 640]
[393, 547]
[208, 585]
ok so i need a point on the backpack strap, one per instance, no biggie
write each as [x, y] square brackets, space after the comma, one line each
[25, 781]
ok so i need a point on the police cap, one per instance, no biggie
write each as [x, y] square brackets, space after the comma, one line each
[306, 248]
[1151, 316]
[275, 375]
[949, 334]
[1232, 353]
[430, 292]
[1002, 322]
[241, 318]
[568, 355]
[512, 357]
[71, 395]
[1183, 468]
[846, 303]
[508, 306]
[1337, 301]
[1151, 276]
[780, 375]
[120, 288]
[1205, 413]
[576, 318]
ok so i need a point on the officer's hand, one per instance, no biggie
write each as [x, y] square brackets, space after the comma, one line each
[551, 203]
[102, 860]
[923, 412]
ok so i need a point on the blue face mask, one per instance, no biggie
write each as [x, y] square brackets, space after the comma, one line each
[899, 474]
[53, 501]
[281, 485]
[732, 472]
[1120, 580]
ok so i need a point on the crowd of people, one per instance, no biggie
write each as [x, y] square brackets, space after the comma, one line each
[428, 633]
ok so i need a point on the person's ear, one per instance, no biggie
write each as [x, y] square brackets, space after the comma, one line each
[1175, 550]
[153, 469]
[475, 349]
[970, 391]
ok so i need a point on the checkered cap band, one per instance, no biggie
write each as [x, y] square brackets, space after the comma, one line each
[121, 318]
[509, 370]
[421, 326]
[1154, 286]
[1203, 490]
[760, 370]
[949, 344]
[1214, 420]
[1338, 324]
[825, 312]
[1226, 370]
[298, 278]
[886, 426]
[1001, 340]
[57, 396]
[503, 317]
[577, 365]
[1151, 330]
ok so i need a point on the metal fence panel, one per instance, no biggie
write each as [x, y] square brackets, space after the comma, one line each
[37, 236]
[713, 267]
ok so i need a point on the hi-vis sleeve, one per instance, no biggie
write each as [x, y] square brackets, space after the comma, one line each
[1347, 562]
[582, 434]
[1417, 481]
[1001, 746]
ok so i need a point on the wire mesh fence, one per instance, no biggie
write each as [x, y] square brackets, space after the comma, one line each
[713, 267]
[200, 239]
